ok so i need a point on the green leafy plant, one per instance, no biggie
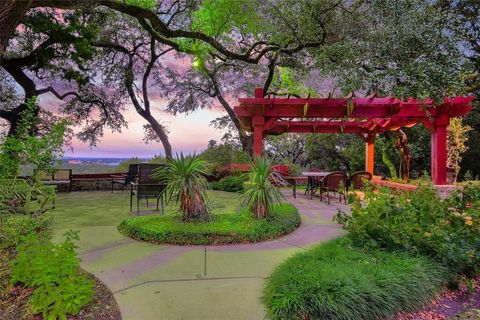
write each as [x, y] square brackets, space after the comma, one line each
[230, 183]
[420, 223]
[336, 280]
[260, 194]
[14, 229]
[25, 148]
[187, 186]
[53, 271]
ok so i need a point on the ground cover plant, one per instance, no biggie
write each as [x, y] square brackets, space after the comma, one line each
[337, 280]
[420, 223]
[224, 228]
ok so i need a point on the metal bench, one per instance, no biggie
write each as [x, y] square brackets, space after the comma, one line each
[59, 177]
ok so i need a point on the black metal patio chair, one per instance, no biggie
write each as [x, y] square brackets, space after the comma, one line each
[125, 179]
[147, 187]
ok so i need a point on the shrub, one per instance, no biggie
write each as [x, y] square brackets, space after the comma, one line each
[420, 223]
[187, 186]
[53, 271]
[471, 191]
[230, 183]
[337, 281]
[225, 228]
[260, 194]
[15, 228]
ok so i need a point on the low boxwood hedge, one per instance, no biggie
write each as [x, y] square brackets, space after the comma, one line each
[337, 281]
[225, 228]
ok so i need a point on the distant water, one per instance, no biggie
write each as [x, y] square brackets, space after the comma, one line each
[94, 161]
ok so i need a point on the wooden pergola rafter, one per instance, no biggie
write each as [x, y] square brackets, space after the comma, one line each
[366, 117]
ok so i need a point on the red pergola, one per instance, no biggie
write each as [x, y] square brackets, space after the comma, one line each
[365, 117]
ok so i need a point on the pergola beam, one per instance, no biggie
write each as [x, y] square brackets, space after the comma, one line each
[365, 117]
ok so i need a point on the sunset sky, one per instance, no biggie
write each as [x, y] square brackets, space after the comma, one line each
[188, 133]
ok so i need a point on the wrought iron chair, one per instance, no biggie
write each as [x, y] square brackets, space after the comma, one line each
[147, 187]
[125, 179]
[336, 182]
[357, 180]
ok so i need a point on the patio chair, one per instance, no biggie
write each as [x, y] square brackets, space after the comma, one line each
[125, 179]
[336, 182]
[358, 179]
[147, 187]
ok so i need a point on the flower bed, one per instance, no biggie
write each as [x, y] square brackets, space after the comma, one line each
[226, 228]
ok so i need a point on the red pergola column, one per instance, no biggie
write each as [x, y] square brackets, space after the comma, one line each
[439, 150]
[258, 125]
[370, 156]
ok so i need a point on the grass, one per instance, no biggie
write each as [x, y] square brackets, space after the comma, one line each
[224, 228]
[336, 281]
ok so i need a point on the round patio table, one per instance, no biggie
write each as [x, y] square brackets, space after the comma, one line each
[314, 179]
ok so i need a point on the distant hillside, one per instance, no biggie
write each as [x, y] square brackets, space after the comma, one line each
[83, 165]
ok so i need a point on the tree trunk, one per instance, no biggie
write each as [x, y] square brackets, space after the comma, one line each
[160, 132]
[246, 141]
[10, 13]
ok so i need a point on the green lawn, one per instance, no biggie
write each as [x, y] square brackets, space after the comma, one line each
[102, 208]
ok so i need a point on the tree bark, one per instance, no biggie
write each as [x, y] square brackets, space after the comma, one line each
[160, 132]
[10, 13]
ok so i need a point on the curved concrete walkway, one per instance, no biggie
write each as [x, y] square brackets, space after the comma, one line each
[194, 282]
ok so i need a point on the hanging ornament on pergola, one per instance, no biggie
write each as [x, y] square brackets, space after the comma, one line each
[366, 117]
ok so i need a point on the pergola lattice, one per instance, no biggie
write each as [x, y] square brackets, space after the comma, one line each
[365, 117]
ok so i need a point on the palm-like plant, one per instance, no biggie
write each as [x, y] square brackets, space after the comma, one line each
[260, 194]
[186, 185]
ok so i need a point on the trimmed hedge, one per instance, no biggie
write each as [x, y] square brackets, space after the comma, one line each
[337, 281]
[230, 183]
[225, 228]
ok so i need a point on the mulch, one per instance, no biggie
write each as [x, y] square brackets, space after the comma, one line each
[448, 304]
[14, 299]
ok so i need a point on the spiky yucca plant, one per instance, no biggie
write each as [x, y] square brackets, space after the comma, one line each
[260, 195]
[186, 185]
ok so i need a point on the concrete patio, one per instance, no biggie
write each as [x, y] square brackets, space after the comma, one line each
[176, 282]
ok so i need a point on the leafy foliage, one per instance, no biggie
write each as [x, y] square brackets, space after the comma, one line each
[219, 17]
[337, 281]
[230, 183]
[53, 270]
[220, 155]
[23, 147]
[144, 4]
[186, 185]
[260, 194]
[334, 152]
[419, 223]
[396, 51]
[14, 229]
[226, 228]
[456, 145]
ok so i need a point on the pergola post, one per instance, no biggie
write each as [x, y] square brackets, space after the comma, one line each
[439, 155]
[258, 124]
[370, 155]
[439, 150]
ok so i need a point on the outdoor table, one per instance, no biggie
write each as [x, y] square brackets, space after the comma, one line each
[313, 177]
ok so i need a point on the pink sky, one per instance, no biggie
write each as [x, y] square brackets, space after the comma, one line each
[188, 133]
